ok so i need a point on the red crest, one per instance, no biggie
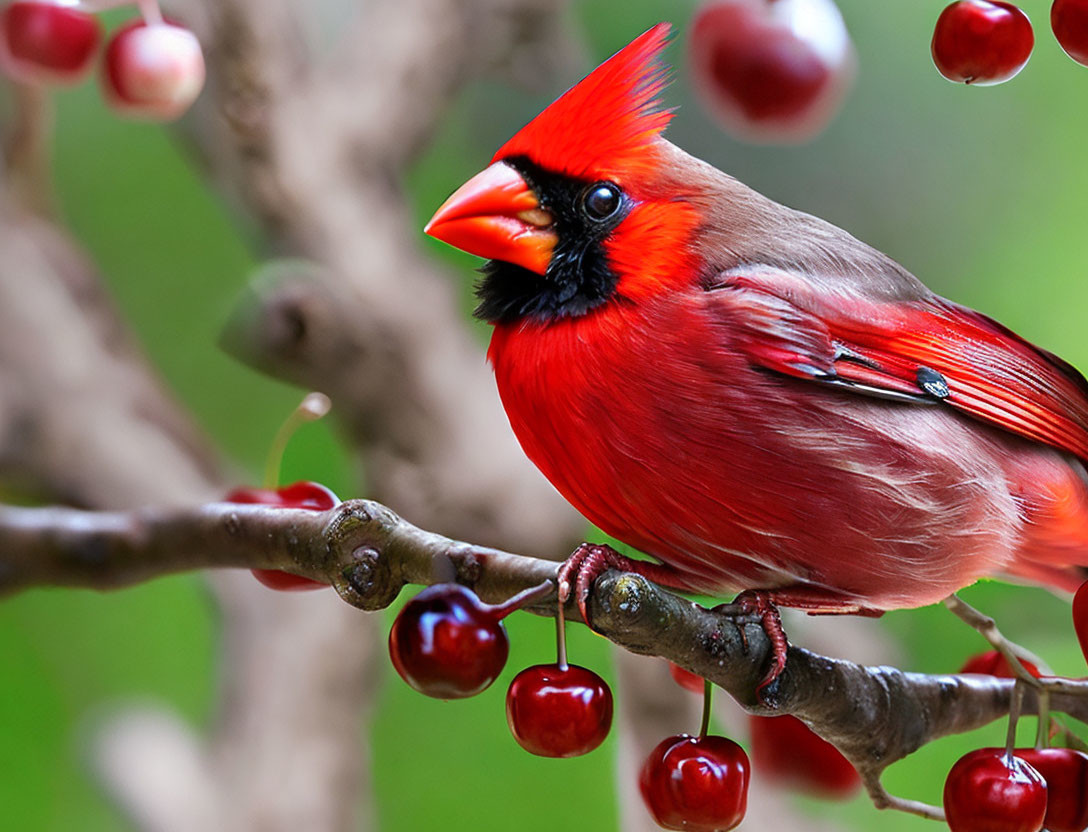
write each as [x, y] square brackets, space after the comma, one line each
[608, 121]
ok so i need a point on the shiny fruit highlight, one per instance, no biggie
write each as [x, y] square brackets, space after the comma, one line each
[558, 711]
[981, 42]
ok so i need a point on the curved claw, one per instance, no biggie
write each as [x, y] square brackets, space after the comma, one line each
[761, 604]
[586, 563]
[591, 560]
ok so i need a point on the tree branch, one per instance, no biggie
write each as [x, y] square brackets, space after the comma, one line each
[874, 715]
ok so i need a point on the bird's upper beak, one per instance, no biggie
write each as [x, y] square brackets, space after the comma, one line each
[496, 215]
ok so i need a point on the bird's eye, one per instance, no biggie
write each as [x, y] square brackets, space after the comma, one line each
[601, 201]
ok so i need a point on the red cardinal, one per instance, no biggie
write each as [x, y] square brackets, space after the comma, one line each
[748, 393]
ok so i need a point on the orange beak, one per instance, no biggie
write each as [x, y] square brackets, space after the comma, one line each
[496, 215]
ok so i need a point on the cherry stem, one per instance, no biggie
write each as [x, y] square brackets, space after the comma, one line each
[708, 695]
[96, 6]
[1042, 733]
[561, 638]
[150, 12]
[523, 598]
[310, 409]
[1014, 717]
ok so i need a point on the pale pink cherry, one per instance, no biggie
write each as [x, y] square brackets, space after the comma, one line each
[152, 70]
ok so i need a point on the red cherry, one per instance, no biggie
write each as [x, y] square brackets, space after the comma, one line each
[981, 42]
[987, 791]
[1080, 617]
[686, 679]
[447, 643]
[47, 42]
[771, 70]
[558, 712]
[992, 663]
[152, 70]
[1069, 20]
[304, 494]
[1066, 775]
[786, 750]
[699, 784]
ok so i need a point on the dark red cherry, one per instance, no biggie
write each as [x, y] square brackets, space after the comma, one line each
[699, 784]
[559, 712]
[1066, 775]
[447, 643]
[304, 494]
[1069, 20]
[1080, 617]
[988, 791]
[981, 42]
[686, 679]
[47, 41]
[786, 751]
[992, 663]
[771, 71]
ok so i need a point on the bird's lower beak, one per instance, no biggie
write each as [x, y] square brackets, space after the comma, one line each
[496, 215]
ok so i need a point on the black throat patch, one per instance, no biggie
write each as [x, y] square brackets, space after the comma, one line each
[578, 277]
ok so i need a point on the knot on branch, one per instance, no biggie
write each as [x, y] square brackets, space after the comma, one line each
[368, 579]
[629, 607]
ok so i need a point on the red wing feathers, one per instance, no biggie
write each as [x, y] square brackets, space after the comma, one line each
[929, 350]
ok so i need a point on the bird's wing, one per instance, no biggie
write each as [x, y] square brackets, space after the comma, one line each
[924, 351]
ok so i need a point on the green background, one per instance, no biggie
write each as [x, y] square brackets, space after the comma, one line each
[981, 192]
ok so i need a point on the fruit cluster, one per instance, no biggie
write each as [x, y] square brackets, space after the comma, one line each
[1021, 789]
[985, 42]
[151, 68]
[448, 644]
[778, 70]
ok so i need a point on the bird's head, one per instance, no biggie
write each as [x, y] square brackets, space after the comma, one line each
[578, 209]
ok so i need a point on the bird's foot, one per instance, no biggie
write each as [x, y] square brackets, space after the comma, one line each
[761, 604]
[591, 560]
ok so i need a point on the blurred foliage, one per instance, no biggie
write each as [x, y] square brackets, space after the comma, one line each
[981, 192]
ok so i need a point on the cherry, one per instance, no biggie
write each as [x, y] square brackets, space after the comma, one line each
[686, 679]
[696, 783]
[47, 42]
[989, 790]
[1069, 20]
[449, 644]
[152, 70]
[786, 750]
[981, 42]
[1080, 617]
[771, 70]
[1066, 775]
[992, 663]
[305, 494]
[559, 710]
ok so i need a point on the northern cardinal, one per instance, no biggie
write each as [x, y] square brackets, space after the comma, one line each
[748, 393]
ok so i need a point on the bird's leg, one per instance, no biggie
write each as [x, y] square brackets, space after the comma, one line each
[986, 627]
[591, 560]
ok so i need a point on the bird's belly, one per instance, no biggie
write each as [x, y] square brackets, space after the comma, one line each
[742, 480]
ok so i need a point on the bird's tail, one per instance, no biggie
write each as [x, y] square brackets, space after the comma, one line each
[1054, 547]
